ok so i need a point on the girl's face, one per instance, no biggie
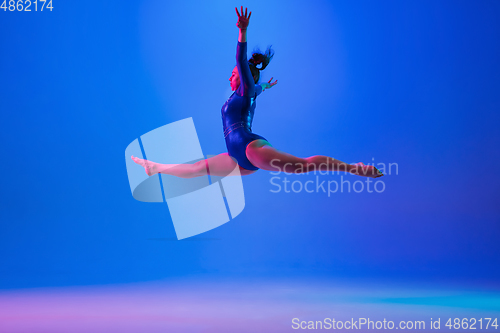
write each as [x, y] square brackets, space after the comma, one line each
[234, 79]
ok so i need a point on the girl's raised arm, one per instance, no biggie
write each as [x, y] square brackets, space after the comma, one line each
[247, 84]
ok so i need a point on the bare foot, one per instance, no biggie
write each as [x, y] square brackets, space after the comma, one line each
[366, 170]
[149, 167]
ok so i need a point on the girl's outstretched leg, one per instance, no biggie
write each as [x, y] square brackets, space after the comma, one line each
[219, 165]
[261, 154]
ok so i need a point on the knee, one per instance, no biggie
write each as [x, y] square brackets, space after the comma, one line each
[315, 163]
[199, 168]
[314, 159]
[301, 165]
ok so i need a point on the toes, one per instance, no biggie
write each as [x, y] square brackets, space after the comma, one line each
[379, 174]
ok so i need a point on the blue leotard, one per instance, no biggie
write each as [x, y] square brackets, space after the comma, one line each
[237, 112]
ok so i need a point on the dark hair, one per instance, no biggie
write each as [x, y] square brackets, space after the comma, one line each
[260, 58]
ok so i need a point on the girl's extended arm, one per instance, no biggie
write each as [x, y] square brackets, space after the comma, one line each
[247, 84]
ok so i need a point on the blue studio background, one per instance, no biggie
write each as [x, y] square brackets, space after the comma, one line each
[412, 83]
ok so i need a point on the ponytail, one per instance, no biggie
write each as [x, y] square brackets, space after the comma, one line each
[259, 58]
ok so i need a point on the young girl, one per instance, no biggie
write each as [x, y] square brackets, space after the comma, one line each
[249, 150]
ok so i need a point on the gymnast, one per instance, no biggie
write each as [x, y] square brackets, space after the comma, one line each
[245, 149]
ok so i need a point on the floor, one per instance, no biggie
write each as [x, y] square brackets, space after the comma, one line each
[195, 305]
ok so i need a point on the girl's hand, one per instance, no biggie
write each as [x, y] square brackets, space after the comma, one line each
[268, 85]
[243, 19]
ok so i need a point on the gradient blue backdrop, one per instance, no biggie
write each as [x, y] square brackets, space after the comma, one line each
[412, 83]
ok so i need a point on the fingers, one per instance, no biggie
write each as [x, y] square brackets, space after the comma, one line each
[272, 83]
[244, 14]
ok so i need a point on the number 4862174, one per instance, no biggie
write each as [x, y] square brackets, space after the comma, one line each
[26, 5]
